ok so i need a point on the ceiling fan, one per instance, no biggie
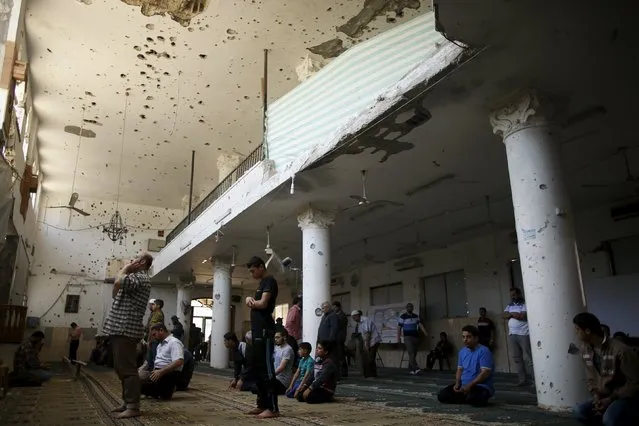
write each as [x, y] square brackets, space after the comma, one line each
[364, 201]
[71, 205]
[74, 195]
[630, 180]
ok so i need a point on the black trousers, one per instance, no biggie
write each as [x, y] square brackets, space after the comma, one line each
[342, 360]
[73, 349]
[185, 376]
[163, 388]
[280, 388]
[265, 381]
[317, 396]
[477, 396]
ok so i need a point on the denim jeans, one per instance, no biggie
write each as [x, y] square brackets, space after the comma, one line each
[621, 412]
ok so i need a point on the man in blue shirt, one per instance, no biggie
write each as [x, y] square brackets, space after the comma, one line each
[474, 379]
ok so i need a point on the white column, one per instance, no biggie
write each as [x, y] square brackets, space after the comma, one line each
[316, 268]
[547, 249]
[220, 317]
[184, 310]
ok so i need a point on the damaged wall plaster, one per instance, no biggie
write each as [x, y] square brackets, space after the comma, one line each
[372, 9]
[356, 25]
[82, 249]
[329, 49]
[181, 11]
[309, 66]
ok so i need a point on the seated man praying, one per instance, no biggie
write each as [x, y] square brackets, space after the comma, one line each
[304, 371]
[26, 362]
[238, 352]
[283, 360]
[474, 378]
[245, 379]
[440, 353]
[612, 372]
[167, 365]
[321, 386]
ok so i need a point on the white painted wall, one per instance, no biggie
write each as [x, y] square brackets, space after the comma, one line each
[613, 299]
[25, 228]
[78, 250]
[485, 261]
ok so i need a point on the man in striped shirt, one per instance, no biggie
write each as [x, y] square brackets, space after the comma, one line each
[125, 329]
[409, 323]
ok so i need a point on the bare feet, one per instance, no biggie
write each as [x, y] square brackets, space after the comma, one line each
[119, 409]
[128, 413]
[268, 414]
[255, 411]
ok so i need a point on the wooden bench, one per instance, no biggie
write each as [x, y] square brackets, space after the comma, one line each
[78, 366]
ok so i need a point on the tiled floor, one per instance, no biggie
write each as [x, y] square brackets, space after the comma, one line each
[394, 398]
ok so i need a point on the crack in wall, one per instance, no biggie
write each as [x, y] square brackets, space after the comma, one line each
[181, 11]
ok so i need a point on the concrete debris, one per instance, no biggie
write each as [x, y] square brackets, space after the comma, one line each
[372, 9]
[329, 49]
[309, 66]
[181, 11]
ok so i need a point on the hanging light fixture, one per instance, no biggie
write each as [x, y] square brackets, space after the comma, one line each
[116, 230]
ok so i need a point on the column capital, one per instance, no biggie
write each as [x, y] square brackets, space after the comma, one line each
[221, 265]
[315, 218]
[525, 108]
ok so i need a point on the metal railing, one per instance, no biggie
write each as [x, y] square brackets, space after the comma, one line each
[251, 160]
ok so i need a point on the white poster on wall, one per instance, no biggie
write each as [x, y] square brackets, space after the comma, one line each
[386, 318]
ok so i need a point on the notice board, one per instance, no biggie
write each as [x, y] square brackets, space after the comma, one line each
[386, 318]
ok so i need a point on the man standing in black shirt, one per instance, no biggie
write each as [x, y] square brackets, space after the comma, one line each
[263, 331]
[340, 357]
[486, 329]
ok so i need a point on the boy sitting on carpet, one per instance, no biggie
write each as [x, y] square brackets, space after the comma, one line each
[304, 370]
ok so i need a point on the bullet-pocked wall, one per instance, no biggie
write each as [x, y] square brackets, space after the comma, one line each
[486, 266]
[71, 257]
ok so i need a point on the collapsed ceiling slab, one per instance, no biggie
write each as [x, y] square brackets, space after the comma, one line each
[181, 11]
[371, 10]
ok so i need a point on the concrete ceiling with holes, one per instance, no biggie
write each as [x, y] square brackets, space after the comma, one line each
[186, 72]
[451, 183]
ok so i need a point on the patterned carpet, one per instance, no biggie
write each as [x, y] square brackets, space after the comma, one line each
[88, 400]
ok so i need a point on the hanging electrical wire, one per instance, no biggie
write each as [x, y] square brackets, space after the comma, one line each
[116, 229]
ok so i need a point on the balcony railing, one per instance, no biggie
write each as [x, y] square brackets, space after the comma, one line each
[251, 160]
[13, 320]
